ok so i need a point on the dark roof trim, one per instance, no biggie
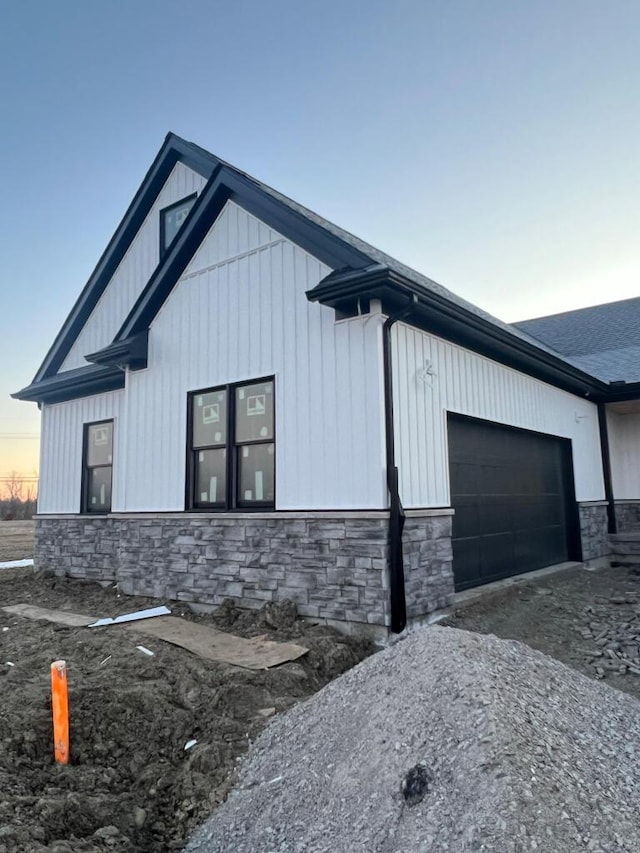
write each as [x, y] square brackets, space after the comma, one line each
[173, 150]
[81, 382]
[621, 391]
[438, 315]
[227, 184]
[131, 352]
[223, 183]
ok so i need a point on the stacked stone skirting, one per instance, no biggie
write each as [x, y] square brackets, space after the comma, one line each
[333, 565]
[628, 516]
[428, 561]
[594, 530]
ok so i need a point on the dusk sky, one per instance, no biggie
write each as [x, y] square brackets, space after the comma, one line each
[490, 144]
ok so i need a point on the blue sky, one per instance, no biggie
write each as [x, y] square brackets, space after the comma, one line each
[491, 144]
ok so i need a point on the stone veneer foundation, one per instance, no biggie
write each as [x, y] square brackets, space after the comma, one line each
[428, 561]
[594, 530]
[334, 565]
[628, 516]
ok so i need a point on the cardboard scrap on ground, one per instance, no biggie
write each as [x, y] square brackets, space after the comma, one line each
[60, 617]
[201, 640]
[207, 642]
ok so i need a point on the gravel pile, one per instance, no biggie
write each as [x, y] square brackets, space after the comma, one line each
[616, 635]
[446, 741]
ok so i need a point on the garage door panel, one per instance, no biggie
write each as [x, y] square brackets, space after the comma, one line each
[467, 476]
[496, 555]
[538, 512]
[512, 492]
[494, 480]
[469, 523]
[544, 546]
[495, 514]
[469, 560]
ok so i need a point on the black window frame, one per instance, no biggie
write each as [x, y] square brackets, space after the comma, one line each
[85, 507]
[163, 212]
[232, 502]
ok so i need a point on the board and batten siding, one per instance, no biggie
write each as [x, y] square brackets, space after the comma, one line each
[432, 377]
[62, 432]
[239, 313]
[133, 272]
[624, 448]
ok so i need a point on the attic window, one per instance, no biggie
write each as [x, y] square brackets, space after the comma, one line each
[172, 219]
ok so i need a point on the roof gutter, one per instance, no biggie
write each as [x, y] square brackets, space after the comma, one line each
[396, 511]
[71, 384]
[438, 315]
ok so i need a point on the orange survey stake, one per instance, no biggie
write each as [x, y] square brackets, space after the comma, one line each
[60, 707]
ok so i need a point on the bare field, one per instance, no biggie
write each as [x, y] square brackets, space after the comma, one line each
[16, 540]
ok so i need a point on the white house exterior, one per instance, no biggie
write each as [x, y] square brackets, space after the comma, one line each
[247, 402]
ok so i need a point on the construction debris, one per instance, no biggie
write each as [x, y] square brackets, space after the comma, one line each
[16, 564]
[58, 617]
[137, 615]
[204, 641]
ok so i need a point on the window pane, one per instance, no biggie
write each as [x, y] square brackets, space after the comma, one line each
[256, 474]
[100, 444]
[174, 218]
[211, 477]
[99, 489]
[210, 419]
[254, 412]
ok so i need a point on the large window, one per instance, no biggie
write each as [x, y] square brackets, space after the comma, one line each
[172, 219]
[97, 467]
[231, 450]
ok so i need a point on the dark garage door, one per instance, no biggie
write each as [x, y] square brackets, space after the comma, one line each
[512, 491]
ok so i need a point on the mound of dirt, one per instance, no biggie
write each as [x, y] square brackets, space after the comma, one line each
[131, 785]
[446, 741]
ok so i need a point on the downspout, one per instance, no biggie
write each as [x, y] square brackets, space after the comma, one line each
[396, 512]
[606, 468]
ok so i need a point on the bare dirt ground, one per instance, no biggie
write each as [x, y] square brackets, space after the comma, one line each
[16, 540]
[589, 620]
[131, 786]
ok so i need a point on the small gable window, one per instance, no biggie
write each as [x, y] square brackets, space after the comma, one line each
[172, 219]
[97, 467]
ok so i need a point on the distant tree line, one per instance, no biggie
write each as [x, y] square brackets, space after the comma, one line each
[18, 497]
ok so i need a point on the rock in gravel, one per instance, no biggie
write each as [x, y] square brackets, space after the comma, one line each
[445, 741]
[614, 636]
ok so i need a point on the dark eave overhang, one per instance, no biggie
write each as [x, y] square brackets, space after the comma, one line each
[226, 184]
[129, 347]
[81, 382]
[621, 391]
[174, 150]
[129, 352]
[437, 314]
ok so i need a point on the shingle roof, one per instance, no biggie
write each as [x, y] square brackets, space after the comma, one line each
[379, 257]
[603, 340]
[522, 344]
